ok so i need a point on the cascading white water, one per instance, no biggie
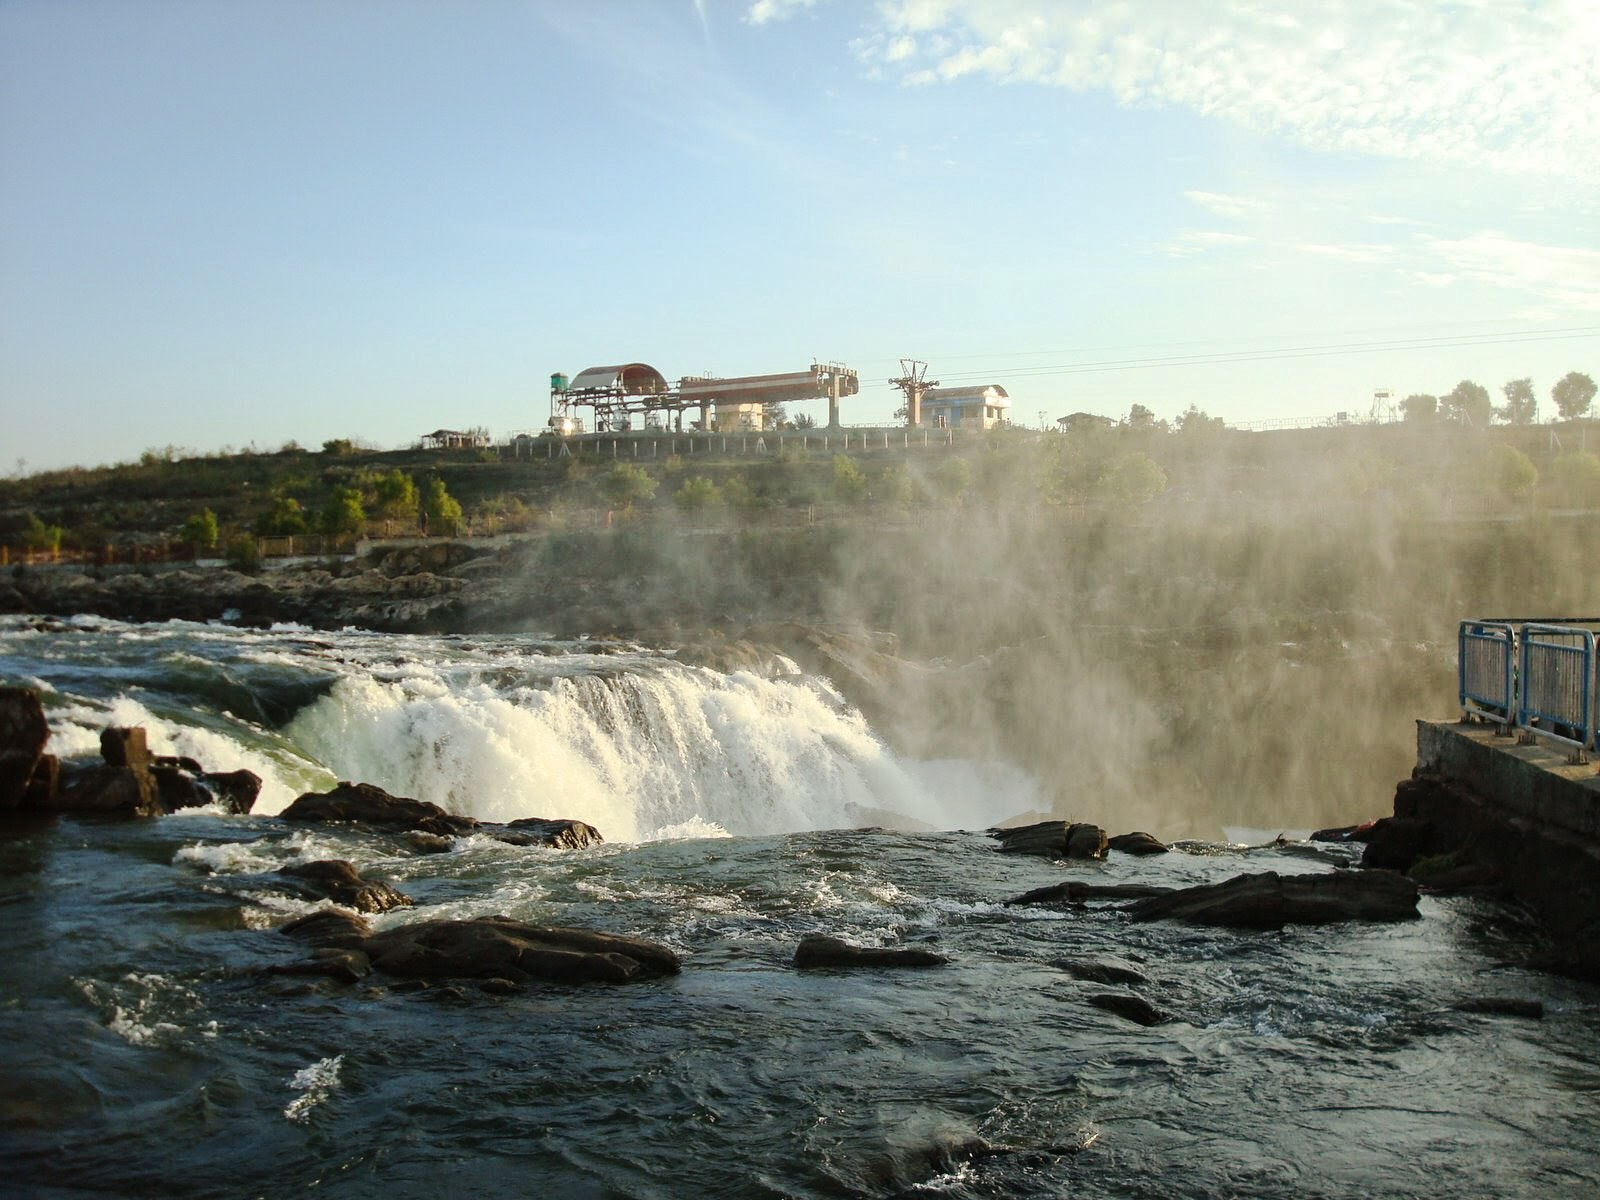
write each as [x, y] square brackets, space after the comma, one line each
[642, 754]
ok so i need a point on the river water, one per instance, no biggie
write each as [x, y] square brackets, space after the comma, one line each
[145, 1048]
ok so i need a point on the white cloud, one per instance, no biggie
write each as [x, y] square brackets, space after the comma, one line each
[1513, 84]
[1568, 276]
[1350, 252]
[1194, 241]
[1225, 206]
[763, 12]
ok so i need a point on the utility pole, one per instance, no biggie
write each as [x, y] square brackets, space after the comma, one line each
[913, 382]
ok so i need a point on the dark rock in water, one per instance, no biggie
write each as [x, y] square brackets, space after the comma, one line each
[557, 834]
[1126, 1004]
[1045, 838]
[500, 948]
[364, 804]
[1053, 839]
[23, 734]
[500, 987]
[1085, 841]
[125, 747]
[111, 792]
[337, 880]
[1076, 892]
[428, 843]
[1102, 971]
[1136, 843]
[330, 927]
[1396, 843]
[1455, 872]
[178, 788]
[236, 791]
[1344, 833]
[820, 950]
[1268, 900]
[1502, 1006]
[345, 966]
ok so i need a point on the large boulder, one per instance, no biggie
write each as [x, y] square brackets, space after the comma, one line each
[110, 792]
[561, 834]
[1131, 1006]
[1267, 900]
[1073, 891]
[501, 948]
[1397, 843]
[337, 880]
[1053, 839]
[23, 734]
[820, 950]
[329, 928]
[370, 806]
[1140, 844]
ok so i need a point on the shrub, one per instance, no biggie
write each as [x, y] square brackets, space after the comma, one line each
[697, 495]
[243, 553]
[200, 529]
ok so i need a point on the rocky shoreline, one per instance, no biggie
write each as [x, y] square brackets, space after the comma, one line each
[500, 955]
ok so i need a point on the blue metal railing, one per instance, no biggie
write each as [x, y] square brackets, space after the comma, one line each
[1539, 676]
[1556, 685]
[1485, 658]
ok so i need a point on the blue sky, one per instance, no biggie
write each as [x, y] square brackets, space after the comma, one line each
[226, 224]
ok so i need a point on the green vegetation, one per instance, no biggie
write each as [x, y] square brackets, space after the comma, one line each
[1573, 393]
[1441, 456]
[343, 514]
[442, 511]
[200, 530]
[625, 485]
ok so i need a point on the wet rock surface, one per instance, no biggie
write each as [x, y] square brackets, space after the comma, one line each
[1053, 839]
[501, 948]
[821, 950]
[1130, 1006]
[1267, 900]
[557, 834]
[1140, 844]
[337, 880]
[369, 806]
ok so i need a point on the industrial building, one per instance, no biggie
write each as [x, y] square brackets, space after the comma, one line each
[982, 407]
[636, 396]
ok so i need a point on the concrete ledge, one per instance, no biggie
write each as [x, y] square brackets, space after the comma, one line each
[1533, 782]
[1525, 811]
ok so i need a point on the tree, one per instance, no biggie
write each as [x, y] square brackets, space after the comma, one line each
[807, 421]
[200, 529]
[395, 496]
[343, 514]
[1522, 407]
[696, 495]
[1575, 479]
[952, 477]
[440, 510]
[1469, 404]
[849, 484]
[894, 485]
[1194, 420]
[773, 416]
[1133, 479]
[1513, 471]
[625, 485]
[1420, 407]
[286, 519]
[1573, 393]
[1140, 417]
[39, 536]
